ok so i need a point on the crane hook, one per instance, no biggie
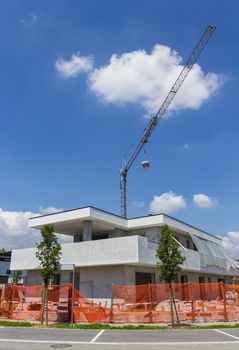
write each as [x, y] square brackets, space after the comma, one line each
[145, 163]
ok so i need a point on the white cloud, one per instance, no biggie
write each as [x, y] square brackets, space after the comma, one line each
[203, 201]
[145, 78]
[231, 243]
[138, 204]
[32, 18]
[186, 146]
[49, 210]
[167, 203]
[14, 230]
[76, 65]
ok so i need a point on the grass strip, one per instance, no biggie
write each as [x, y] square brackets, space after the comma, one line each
[7, 323]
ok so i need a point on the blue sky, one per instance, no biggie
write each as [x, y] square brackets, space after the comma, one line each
[62, 145]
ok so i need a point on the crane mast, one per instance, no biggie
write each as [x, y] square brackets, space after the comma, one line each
[158, 116]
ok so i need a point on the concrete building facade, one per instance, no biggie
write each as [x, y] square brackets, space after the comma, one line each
[107, 249]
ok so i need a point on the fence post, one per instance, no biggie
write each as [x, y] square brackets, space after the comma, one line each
[192, 300]
[150, 301]
[149, 293]
[222, 286]
[111, 303]
[69, 288]
[11, 302]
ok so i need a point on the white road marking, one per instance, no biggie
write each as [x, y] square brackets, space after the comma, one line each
[32, 341]
[229, 335]
[97, 336]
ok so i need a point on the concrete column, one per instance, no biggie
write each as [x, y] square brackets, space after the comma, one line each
[87, 230]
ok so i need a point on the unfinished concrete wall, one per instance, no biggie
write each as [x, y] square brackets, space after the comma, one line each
[152, 233]
[96, 282]
[117, 233]
[33, 278]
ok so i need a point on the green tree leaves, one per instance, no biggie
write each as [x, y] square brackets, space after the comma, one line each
[49, 253]
[169, 254]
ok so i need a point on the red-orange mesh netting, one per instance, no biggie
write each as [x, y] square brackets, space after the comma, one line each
[148, 303]
[24, 302]
[86, 310]
[194, 302]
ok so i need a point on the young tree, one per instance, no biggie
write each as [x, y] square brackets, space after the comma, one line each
[2, 251]
[170, 260]
[49, 254]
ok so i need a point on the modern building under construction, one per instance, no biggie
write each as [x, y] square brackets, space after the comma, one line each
[108, 249]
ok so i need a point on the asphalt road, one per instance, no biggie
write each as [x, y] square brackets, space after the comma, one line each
[49, 339]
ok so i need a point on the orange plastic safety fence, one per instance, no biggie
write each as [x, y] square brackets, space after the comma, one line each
[199, 302]
[25, 302]
[148, 303]
[86, 310]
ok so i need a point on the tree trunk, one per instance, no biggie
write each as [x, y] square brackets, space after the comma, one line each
[173, 302]
[47, 304]
[42, 303]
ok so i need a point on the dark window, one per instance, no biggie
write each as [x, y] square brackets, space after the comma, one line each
[184, 287]
[210, 284]
[3, 279]
[77, 238]
[194, 247]
[184, 279]
[144, 278]
[56, 279]
[201, 280]
[97, 236]
[221, 280]
[188, 244]
[4, 258]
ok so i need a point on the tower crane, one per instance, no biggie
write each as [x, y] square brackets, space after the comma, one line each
[158, 116]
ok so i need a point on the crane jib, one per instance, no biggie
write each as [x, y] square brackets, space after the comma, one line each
[154, 121]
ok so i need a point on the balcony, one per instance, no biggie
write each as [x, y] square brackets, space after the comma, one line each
[192, 262]
[112, 251]
[130, 250]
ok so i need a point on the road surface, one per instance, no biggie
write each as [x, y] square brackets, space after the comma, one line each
[92, 339]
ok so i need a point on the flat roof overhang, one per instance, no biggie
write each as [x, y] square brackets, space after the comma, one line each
[70, 222]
